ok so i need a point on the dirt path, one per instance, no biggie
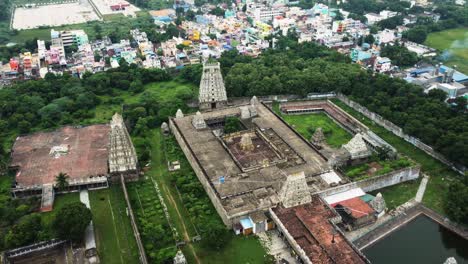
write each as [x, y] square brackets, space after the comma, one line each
[186, 235]
[161, 161]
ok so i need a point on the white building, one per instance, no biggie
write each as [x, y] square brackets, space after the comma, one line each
[385, 36]
[382, 64]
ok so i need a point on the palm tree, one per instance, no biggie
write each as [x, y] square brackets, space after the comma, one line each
[61, 181]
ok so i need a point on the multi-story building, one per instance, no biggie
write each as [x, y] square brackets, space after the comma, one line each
[69, 38]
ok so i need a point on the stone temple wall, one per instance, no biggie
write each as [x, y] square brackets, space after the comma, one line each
[200, 174]
[377, 182]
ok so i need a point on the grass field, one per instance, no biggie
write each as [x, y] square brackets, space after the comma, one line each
[440, 174]
[306, 124]
[114, 235]
[455, 43]
[240, 250]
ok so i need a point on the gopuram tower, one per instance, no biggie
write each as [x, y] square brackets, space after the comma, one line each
[212, 91]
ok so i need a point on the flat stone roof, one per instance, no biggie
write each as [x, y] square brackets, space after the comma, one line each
[239, 192]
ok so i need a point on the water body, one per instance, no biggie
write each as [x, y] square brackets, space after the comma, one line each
[422, 240]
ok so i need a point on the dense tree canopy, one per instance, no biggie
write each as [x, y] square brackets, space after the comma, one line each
[456, 203]
[399, 55]
[4, 10]
[71, 221]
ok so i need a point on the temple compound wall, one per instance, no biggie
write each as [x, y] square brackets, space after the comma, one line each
[377, 182]
[200, 173]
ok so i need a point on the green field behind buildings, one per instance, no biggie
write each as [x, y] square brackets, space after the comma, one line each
[452, 43]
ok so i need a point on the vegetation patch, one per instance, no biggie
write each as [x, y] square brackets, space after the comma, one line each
[158, 238]
[306, 124]
[232, 124]
[114, 235]
[375, 167]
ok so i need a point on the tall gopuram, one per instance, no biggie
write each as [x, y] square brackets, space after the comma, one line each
[212, 91]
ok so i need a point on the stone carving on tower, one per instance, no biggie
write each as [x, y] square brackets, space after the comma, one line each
[318, 138]
[179, 114]
[198, 122]
[295, 190]
[246, 142]
[378, 203]
[357, 147]
[122, 154]
[212, 91]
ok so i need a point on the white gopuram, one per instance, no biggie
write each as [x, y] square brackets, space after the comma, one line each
[212, 91]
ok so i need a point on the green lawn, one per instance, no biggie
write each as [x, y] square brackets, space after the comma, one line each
[455, 42]
[306, 125]
[240, 250]
[114, 235]
[170, 91]
[440, 174]
[398, 194]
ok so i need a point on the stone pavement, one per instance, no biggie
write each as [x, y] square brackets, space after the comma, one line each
[422, 189]
[275, 246]
[90, 241]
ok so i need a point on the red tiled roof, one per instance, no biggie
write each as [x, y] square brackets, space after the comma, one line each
[357, 206]
[309, 225]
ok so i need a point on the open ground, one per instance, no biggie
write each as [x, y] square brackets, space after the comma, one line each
[453, 43]
[53, 15]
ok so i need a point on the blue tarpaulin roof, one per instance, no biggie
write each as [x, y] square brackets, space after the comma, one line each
[457, 76]
[246, 223]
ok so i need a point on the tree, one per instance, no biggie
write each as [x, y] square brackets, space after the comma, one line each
[97, 56]
[399, 55]
[218, 11]
[437, 95]
[214, 235]
[456, 202]
[61, 181]
[460, 104]
[71, 221]
[232, 124]
[417, 34]
[369, 39]
[24, 232]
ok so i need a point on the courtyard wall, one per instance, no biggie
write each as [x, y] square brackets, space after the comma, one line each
[199, 171]
[377, 182]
